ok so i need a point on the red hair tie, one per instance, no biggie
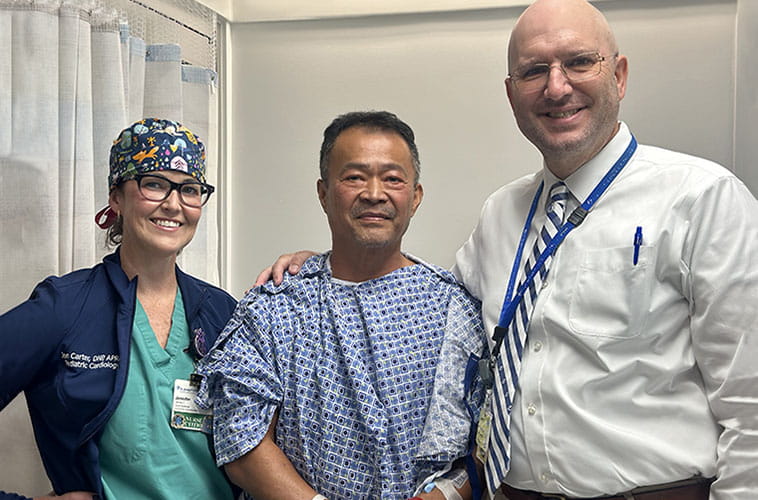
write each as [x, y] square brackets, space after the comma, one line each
[105, 218]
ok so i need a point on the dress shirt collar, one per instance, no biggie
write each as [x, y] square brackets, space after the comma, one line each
[583, 181]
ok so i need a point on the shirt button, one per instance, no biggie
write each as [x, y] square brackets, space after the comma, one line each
[545, 477]
[531, 409]
[544, 285]
[537, 346]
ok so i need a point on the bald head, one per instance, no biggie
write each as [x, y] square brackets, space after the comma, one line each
[568, 118]
[551, 21]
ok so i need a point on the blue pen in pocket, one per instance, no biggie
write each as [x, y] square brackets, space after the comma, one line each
[637, 244]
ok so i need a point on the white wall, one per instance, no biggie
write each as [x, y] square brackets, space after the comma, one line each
[746, 98]
[443, 74]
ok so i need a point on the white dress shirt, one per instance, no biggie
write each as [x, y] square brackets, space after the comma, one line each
[634, 374]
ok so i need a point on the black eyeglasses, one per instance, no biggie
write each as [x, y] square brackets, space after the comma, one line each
[158, 188]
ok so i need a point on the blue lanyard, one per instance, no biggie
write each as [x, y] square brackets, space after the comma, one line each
[577, 217]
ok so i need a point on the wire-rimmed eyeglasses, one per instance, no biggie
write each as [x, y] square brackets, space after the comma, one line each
[578, 68]
[158, 188]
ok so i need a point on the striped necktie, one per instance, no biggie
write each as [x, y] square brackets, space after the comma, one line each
[508, 362]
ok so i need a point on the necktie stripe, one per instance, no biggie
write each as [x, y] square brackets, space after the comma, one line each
[554, 219]
[497, 462]
[502, 404]
[532, 293]
[537, 250]
[517, 344]
[543, 273]
[511, 350]
[512, 366]
[524, 320]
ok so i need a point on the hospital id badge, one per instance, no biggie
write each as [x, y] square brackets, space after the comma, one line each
[185, 413]
[483, 429]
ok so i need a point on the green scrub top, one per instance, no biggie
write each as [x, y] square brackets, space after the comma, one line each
[141, 455]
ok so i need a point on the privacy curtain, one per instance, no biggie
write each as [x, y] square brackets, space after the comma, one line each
[71, 77]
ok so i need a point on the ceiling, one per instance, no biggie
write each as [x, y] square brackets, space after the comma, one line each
[289, 10]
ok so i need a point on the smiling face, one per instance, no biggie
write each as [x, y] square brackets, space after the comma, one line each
[568, 123]
[154, 228]
[370, 195]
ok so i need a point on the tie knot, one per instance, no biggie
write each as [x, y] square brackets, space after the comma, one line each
[558, 189]
[558, 194]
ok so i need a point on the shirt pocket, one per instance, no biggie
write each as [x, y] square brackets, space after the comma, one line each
[611, 294]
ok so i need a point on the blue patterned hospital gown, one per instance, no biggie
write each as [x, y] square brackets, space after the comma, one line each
[367, 377]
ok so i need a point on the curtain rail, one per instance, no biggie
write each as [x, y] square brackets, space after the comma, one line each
[173, 19]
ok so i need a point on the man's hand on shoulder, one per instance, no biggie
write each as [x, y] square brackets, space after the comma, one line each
[290, 262]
